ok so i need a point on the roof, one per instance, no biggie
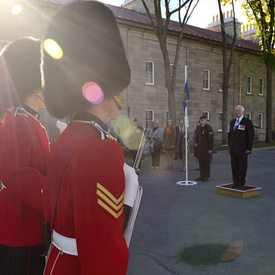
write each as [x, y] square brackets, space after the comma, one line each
[132, 17]
[135, 18]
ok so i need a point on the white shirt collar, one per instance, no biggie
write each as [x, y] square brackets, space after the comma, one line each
[240, 119]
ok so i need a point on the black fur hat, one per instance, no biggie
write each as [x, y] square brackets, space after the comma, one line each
[19, 71]
[92, 51]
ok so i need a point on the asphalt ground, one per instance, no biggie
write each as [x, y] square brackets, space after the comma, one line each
[195, 230]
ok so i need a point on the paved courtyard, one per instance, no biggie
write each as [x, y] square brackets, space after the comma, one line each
[194, 230]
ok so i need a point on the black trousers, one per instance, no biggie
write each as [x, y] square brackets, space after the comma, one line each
[204, 164]
[239, 168]
[25, 260]
[156, 158]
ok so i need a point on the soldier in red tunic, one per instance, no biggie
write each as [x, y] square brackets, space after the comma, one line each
[83, 76]
[24, 151]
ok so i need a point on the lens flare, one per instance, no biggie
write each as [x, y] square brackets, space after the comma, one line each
[16, 9]
[126, 128]
[53, 49]
[92, 92]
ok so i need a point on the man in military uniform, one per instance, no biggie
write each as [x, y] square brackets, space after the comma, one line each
[86, 169]
[204, 144]
[24, 152]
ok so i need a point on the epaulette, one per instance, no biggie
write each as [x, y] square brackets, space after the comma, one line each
[104, 134]
[20, 111]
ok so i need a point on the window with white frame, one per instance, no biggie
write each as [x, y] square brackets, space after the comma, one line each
[261, 86]
[260, 120]
[149, 72]
[149, 118]
[206, 79]
[249, 85]
[220, 82]
[248, 115]
[220, 116]
[206, 113]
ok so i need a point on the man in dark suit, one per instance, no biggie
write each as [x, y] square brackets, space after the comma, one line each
[240, 141]
[178, 136]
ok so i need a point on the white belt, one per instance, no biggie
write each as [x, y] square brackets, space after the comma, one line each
[65, 244]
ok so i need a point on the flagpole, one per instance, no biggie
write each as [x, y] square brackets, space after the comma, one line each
[186, 130]
[186, 182]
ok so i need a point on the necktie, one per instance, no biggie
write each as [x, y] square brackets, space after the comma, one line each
[236, 125]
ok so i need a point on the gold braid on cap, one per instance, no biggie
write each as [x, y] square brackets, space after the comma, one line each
[119, 100]
[39, 94]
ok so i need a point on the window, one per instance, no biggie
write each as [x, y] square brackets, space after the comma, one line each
[149, 118]
[249, 85]
[220, 115]
[206, 80]
[248, 115]
[261, 86]
[206, 113]
[260, 120]
[149, 73]
[220, 82]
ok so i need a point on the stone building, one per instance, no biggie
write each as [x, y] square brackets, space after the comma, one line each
[146, 98]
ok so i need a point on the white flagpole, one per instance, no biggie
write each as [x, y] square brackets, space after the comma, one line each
[186, 182]
[186, 129]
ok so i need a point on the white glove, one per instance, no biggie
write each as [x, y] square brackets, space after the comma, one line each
[61, 126]
[131, 185]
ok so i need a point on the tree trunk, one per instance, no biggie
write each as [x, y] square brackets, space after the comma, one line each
[226, 71]
[170, 81]
[225, 113]
[171, 106]
[268, 136]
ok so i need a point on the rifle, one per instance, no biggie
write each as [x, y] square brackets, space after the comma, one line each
[130, 213]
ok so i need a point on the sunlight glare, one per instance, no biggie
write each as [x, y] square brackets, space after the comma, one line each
[16, 9]
[93, 93]
[53, 49]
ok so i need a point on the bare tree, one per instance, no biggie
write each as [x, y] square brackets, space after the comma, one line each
[227, 62]
[160, 27]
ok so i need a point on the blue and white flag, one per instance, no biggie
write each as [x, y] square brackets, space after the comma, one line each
[186, 96]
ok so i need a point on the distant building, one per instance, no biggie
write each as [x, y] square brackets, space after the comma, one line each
[146, 97]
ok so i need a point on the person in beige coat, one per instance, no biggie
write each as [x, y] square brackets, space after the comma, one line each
[169, 141]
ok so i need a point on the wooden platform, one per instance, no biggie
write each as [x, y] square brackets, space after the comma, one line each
[248, 191]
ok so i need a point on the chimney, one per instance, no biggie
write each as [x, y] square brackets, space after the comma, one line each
[137, 5]
[249, 33]
[229, 24]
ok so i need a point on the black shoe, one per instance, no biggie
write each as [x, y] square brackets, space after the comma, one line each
[204, 179]
[240, 187]
[200, 178]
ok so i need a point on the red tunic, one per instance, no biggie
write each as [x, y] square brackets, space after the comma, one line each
[90, 206]
[24, 151]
